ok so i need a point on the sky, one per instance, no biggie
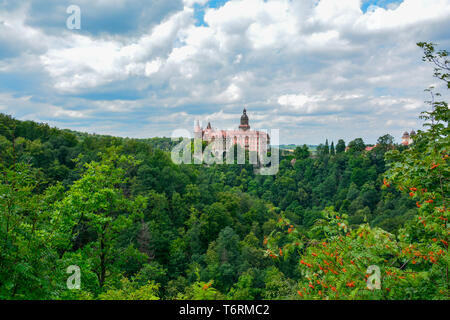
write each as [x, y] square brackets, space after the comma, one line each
[314, 69]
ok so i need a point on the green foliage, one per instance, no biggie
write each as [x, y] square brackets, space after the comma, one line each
[201, 291]
[140, 227]
[340, 146]
[129, 291]
[302, 152]
[356, 145]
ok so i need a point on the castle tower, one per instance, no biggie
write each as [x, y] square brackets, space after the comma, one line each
[244, 121]
[405, 138]
[198, 132]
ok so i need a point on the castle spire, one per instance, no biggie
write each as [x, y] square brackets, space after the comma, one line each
[197, 126]
[244, 121]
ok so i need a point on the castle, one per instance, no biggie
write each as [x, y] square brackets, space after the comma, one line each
[250, 140]
[407, 138]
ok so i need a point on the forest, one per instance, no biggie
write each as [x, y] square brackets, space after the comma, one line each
[140, 227]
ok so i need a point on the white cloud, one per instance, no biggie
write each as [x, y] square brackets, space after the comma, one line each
[26, 108]
[86, 62]
[300, 102]
[152, 67]
[337, 13]
[297, 65]
[407, 13]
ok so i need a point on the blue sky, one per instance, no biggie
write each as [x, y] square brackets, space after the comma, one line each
[379, 3]
[315, 69]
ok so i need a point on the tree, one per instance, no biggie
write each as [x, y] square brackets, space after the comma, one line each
[223, 259]
[320, 150]
[96, 204]
[24, 236]
[132, 291]
[340, 146]
[302, 152]
[385, 142]
[341, 262]
[439, 59]
[244, 288]
[356, 145]
[359, 176]
[326, 149]
[214, 219]
[332, 151]
[423, 172]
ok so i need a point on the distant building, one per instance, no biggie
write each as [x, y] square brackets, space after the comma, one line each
[250, 140]
[407, 138]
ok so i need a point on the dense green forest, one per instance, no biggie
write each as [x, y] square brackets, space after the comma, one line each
[141, 227]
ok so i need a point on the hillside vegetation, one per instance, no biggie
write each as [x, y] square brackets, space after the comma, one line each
[141, 227]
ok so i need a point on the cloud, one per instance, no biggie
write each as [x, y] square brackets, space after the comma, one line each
[102, 17]
[405, 14]
[315, 69]
[26, 107]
